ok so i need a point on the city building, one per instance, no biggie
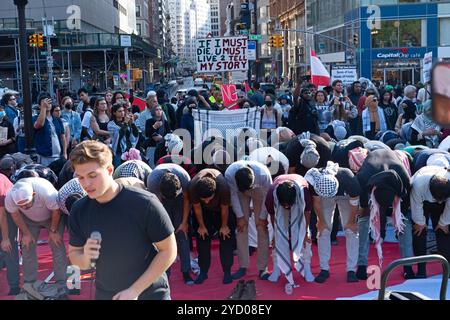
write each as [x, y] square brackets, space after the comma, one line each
[385, 39]
[87, 45]
[188, 20]
[290, 15]
[216, 26]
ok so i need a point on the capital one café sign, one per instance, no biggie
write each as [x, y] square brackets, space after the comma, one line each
[399, 54]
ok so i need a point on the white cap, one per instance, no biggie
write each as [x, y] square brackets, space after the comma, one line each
[22, 193]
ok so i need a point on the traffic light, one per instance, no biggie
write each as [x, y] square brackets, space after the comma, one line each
[40, 41]
[272, 41]
[32, 40]
[280, 41]
[355, 39]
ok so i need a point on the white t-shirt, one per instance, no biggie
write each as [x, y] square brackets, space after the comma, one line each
[45, 200]
[56, 148]
[86, 123]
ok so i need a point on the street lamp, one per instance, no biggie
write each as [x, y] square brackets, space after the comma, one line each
[29, 148]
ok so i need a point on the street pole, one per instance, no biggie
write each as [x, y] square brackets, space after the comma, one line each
[29, 148]
[256, 64]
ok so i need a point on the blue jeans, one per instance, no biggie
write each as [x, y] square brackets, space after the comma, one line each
[12, 259]
[404, 239]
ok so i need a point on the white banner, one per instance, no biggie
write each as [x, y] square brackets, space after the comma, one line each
[224, 123]
[222, 54]
[427, 66]
[347, 74]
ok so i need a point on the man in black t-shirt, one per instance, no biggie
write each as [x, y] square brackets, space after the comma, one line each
[138, 243]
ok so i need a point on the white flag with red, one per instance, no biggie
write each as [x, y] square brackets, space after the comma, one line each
[319, 74]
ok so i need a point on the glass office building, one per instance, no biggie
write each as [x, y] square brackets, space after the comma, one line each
[392, 36]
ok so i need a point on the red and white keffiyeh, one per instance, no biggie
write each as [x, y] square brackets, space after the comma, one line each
[375, 222]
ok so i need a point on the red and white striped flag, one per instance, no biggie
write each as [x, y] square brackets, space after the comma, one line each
[319, 74]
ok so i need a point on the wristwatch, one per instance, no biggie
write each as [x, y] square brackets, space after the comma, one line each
[53, 230]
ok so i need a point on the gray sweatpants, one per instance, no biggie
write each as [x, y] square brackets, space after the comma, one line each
[12, 259]
[30, 258]
[324, 241]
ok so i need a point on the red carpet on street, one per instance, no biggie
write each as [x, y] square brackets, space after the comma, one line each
[213, 289]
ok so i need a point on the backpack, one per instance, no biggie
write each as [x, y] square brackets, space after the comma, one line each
[41, 290]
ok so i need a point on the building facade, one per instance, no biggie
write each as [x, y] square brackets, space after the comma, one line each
[86, 51]
[385, 39]
[216, 25]
[290, 15]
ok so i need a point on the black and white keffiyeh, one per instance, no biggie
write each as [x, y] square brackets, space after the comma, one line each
[133, 168]
[73, 187]
[324, 181]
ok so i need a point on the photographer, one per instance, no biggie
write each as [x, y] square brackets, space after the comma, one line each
[49, 138]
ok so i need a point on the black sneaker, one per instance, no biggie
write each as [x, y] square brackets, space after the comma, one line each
[249, 292]
[323, 276]
[187, 278]
[201, 278]
[239, 274]
[408, 273]
[421, 271]
[351, 276]
[14, 292]
[227, 279]
[237, 291]
[264, 275]
[361, 273]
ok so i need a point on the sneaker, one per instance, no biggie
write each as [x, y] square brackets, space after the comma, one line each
[351, 276]
[227, 279]
[323, 276]
[237, 291]
[361, 273]
[249, 292]
[14, 292]
[264, 275]
[239, 274]
[187, 278]
[421, 271]
[201, 278]
[408, 273]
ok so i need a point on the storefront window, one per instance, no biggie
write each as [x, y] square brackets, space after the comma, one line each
[398, 33]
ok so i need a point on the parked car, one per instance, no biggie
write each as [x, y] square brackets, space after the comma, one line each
[198, 82]
[172, 83]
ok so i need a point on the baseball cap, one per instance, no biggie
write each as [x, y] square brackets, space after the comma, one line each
[22, 193]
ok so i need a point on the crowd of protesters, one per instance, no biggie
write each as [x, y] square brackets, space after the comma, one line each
[353, 159]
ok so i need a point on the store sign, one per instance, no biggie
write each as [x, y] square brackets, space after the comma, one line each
[251, 53]
[404, 53]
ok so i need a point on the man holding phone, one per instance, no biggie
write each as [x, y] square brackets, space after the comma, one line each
[49, 138]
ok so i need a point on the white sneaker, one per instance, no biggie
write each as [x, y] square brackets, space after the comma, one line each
[275, 274]
[306, 273]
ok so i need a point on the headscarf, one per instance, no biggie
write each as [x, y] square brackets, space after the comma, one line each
[309, 157]
[356, 158]
[424, 122]
[324, 181]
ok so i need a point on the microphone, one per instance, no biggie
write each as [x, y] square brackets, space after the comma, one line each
[95, 235]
